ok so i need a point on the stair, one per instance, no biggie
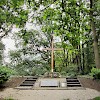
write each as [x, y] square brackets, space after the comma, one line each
[73, 82]
[30, 81]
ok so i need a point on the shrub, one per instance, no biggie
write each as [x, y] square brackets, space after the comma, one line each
[72, 70]
[63, 73]
[95, 72]
[5, 73]
[38, 71]
[96, 98]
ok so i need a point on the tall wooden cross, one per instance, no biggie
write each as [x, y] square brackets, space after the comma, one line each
[52, 49]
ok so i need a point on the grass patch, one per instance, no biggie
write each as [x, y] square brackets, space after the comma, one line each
[97, 98]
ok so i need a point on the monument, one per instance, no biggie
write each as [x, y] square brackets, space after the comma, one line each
[52, 74]
[51, 79]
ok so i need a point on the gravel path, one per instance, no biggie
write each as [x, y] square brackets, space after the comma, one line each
[49, 94]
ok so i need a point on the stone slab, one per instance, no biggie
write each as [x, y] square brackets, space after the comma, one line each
[49, 83]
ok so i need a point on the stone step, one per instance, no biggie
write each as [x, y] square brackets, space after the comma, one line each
[30, 80]
[73, 82]
[23, 84]
[71, 78]
[74, 85]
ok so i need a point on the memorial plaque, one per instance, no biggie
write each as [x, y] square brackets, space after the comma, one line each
[49, 83]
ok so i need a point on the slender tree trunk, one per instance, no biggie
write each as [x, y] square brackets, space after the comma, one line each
[64, 58]
[78, 57]
[95, 42]
[67, 58]
[83, 59]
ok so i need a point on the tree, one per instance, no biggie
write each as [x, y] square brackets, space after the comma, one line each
[11, 13]
[29, 56]
[95, 34]
[68, 20]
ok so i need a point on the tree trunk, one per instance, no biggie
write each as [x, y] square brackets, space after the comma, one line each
[95, 42]
[83, 59]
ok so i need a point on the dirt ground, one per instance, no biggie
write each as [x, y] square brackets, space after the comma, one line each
[12, 82]
[90, 83]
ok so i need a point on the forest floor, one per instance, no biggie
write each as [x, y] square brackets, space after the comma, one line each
[88, 83]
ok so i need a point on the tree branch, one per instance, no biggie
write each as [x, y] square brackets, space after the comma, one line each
[6, 32]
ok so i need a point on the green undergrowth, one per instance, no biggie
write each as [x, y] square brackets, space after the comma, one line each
[95, 73]
[97, 98]
[86, 76]
[9, 99]
[5, 73]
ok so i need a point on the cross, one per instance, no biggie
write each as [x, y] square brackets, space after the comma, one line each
[52, 52]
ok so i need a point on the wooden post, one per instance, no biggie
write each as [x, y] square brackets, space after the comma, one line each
[52, 53]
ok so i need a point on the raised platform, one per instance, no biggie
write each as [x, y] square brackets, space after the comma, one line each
[51, 84]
